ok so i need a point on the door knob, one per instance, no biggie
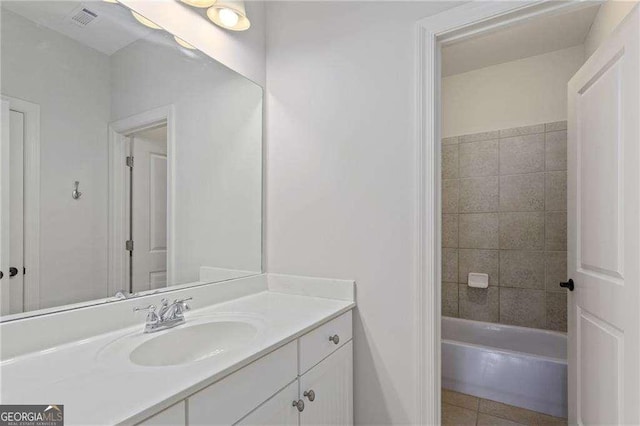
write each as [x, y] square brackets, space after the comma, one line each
[299, 404]
[13, 272]
[310, 394]
[568, 284]
[335, 339]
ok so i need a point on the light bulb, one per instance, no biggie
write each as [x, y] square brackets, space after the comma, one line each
[199, 3]
[229, 14]
[144, 21]
[183, 43]
[228, 17]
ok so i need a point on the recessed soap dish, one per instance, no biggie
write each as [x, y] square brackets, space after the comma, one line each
[478, 280]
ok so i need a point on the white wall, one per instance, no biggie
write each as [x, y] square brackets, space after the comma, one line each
[218, 157]
[519, 93]
[243, 51]
[70, 82]
[342, 179]
[609, 16]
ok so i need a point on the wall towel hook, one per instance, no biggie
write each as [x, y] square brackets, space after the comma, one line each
[76, 194]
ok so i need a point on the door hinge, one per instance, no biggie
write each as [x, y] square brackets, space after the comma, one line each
[129, 245]
[130, 161]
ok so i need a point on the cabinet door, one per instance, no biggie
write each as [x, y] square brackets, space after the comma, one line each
[173, 416]
[332, 384]
[279, 410]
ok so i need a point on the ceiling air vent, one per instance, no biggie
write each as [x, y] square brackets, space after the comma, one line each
[83, 16]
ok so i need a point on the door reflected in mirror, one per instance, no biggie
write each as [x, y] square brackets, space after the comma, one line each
[129, 163]
[148, 209]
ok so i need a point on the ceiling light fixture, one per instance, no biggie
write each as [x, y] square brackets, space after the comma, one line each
[199, 3]
[111, 1]
[144, 21]
[183, 43]
[229, 14]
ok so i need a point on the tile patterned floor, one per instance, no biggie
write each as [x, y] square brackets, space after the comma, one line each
[459, 409]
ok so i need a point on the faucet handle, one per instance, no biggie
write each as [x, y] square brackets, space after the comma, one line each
[150, 308]
[151, 312]
[181, 305]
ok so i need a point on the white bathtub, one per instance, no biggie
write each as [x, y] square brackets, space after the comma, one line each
[519, 366]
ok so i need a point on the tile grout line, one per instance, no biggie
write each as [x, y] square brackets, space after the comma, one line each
[499, 235]
[538, 172]
[546, 302]
[458, 240]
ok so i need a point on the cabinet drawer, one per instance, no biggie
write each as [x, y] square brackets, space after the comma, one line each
[227, 401]
[315, 345]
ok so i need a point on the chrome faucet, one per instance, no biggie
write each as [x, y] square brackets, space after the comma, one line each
[167, 316]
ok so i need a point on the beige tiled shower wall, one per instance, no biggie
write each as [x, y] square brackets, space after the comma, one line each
[504, 202]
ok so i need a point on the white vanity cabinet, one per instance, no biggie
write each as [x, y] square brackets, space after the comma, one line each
[331, 384]
[314, 372]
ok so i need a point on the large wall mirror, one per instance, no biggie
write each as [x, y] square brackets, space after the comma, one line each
[130, 162]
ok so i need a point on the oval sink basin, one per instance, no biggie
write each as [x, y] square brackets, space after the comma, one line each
[190, 343]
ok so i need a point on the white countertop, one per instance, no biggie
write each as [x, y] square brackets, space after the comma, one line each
[97, 390]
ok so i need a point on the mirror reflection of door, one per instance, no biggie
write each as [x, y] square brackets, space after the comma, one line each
[148, 209]
[16, 211]
[19, 205]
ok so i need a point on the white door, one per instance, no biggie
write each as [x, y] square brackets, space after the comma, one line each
[16, 214]
[331, 382]
[277, 411]
[604, 232]
[12, 210]
[5, 297]
[149, 210]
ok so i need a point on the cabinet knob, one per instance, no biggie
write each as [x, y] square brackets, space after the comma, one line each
[335, 339]
[299, 404]
[310, 394]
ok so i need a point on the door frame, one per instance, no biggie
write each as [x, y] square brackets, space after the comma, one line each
[31, 233]
[456, 24]
[119, 132]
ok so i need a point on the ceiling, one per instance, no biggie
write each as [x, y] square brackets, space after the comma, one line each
[538, 36]
[113, 29]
